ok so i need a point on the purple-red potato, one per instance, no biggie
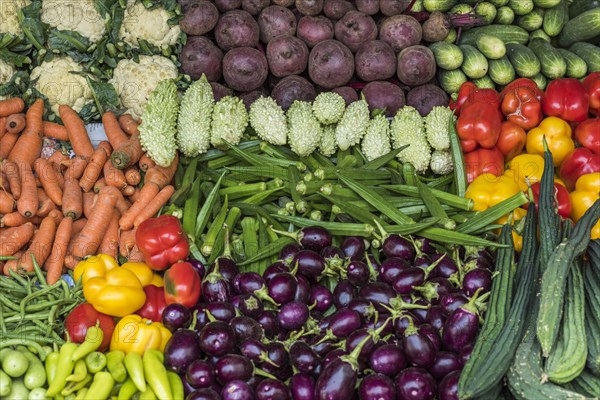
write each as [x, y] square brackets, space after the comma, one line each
[245, 68]
[425, 97]
[220, 91]
[293, 87]
[355, 28]
[249, 97]
[393, 7]
[416, 65]
[384, 95]
[400, 31]
[336, 9]
[309, 7]
[370, 7]
[201, 56]
[348, 94]
[287, 55]
[254, 7]
[436, 28]
[313, 30]
[274, 21]
[236, 28]
[330, 64]
[228, 5]
[375, 60]
[199, 17]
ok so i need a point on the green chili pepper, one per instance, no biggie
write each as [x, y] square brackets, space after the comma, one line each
[51, 364]
[115, 365]
[135, 369]
[79, 372]
[95, 361]
[176, 385]
[93, 340]
[128, 389]
[81, 394]
[64, 369]
[73, 387]
[148, 395]
[156, 374]
[101, 386]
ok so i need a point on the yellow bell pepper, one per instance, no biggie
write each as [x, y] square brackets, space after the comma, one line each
[144, 273]
[525, 167]
[517, 215]
[93, 266]
[558, 137]
[587, 191]
[118, 292]
[487, 190]
[136, 334]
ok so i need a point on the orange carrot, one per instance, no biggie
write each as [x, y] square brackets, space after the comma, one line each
[122, 204]
[11, 170]
[88, 240]
[112, 176]
[78, 136]
[128, 124]
[72, 198]
[155, 205]
[89, 199]
[128, 190]
[27, 203]
[2, 126]
[16, 219]
[58, 157]
[110, 241]
[7, 203]
[135, 195]
[11, 106]
[132, 176]
[113, 130]
[100, 183]
[94, 167]
[54, 130]
[146, 163]
[147, 193]
[48, 177]
[15, 123]
[40, 247]
[78, 226]
[46, 204]
[29, 145]
[57, 215]
[126, 242]
[54, 263]
[13, 239]
[75, 166]
[7, 143]
[135, 255]
[128, 153]
[161, 176]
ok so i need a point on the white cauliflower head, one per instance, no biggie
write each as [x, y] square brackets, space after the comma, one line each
[80, 16]
[6, 71]
[9, 11]
[135, 81]
[57, 81]
[150, 25]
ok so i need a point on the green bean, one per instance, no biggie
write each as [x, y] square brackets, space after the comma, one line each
[38, 294]
[6, 258]
[38, 272]
[20, 279]
[8, 303]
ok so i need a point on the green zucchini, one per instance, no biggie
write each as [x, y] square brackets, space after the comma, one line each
[475, 65]
[451, 81]
[567, 358]
[523, 59]
[447, 55]
[576, 67]
[531, 21]
[504, 16]
[554, 278]
[553, 65]
[491, 47]
[539, 34]
[555, 19]
[582, 28]
[545, 3]
[507, 33]
[521, 7]
[577, 7]
[587, 383]
[589, 53]
[501, 71]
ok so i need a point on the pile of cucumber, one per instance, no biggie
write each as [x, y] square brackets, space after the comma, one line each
[537, 39]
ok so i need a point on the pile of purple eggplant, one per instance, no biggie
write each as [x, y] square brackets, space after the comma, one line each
[333, 321]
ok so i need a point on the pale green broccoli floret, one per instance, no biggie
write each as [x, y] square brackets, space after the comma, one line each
[329, 107]
[195, 115]
[376, 142]
[304, 129]
[229, 121]
[407, 128]
[436, 127]
[159, 123]
[441, 162]
[328, 147]
[267, 119]
[353, 125]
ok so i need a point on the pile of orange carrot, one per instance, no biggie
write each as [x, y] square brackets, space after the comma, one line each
[60, 210]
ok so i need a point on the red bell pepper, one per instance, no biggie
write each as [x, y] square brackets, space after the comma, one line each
[511, 140]
[561, 198]
[591, 83]
[162, 241]
[580, 161]
[522, 103]
[469, 94]
[567, 99]
[479, 125]
[82, 317]
[182, 284]
[481, 161]
[587, 134]
[155, 303]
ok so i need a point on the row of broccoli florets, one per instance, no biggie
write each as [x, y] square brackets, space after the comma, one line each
[324, 125]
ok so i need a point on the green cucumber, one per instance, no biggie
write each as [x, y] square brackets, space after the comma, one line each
[507, 33]
[485, 82]
[582, 28]
[523, 59]
[487, 11]
[499, 3]
[521, 7]
[491, 47]
[587, 383]
[451, 81]
[589, 53]
[531, 21]
[540, 81]
[475, 65]
[545, 3]
[553, 65]
[577, 7]
[447, 55]
[540, 34]
[504, 16]
[501, 71]
[555, 19]
[438, 5]
[576, 66]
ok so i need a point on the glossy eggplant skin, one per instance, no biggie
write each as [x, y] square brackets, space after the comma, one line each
[460, 329]
[336, 382]
[302, 387]
[377, 387]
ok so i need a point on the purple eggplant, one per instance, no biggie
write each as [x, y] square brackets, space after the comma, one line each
[377, 387]
[181, 349]
[332, 356]
[453, 301]
[353, 247]
[387, 359]
[415, 384]
[250, 305]
[330, 252]
[465, 354]
[445, 362]
[434, 289]
[274, 269]
[187, 388]
[200, 374]
[363, 307]
[254, 349]
[237, 390]
[176, 316]
[268, 320]
[390, 268]
[282, 287]
[303, 357]
[422, 261]
[288, 252]
[278, 355]
[357, 337]
[432, 334]
[420, 313]
[198, 266]
[221, 310]
[417, 347]
[343, 322]
[215, 287]
[378, 293]
[358, 273]
[321, 297]
[302, 289]
[247, 282]
[246, 328]
[309, 263]
[321, 344]
[445, 268]
[436, 317]
[408, 279]
[201, 316]
[403, 322]
[314, 238]
[460, 329]
[232, 367]
[343, 294]
[254, 381]
[397, 246]
[425, 245]
[302, 387]
[293, 315]
[270, 389]
[203, 394]
[475, 279]
[217, 338]
[448, 388]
